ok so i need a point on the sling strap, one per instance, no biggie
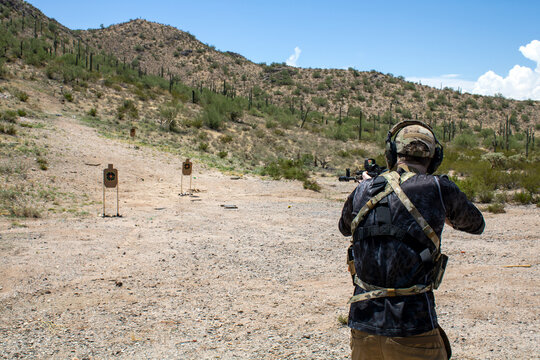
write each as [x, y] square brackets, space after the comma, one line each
[394, 181]
[374, 200]
[374, 292]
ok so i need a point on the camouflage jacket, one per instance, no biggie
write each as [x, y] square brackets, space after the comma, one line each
[388, 262]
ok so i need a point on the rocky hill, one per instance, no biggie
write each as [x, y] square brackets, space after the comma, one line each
[167, 51]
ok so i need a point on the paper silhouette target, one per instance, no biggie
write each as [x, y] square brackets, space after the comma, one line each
[187, 167]
[110, 177]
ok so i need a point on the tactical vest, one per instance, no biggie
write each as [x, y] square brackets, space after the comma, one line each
[385, 184]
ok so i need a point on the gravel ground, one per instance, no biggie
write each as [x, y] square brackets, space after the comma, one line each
[182, 277]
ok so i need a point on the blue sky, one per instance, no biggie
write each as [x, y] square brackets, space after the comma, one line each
[471, 44]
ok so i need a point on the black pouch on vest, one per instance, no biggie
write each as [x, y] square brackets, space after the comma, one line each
[350, 262]
[438, 270]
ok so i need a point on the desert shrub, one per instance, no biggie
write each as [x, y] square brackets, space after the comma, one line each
[496, 208]
[470, 186]
[529, 180]
[194, 122]
[222, 154]
[497, 160]
[9, 116]
[225, 139]
[212, 118]
[127, 109]
[260, 133]
[68, 96]
[339, 133]
[485, 196]
[8, 129]
[173, 126]
[523, 197]
[25, 211]
[92, 112]
[359, 152]
[286, 168]
[311, 185]
[22, 96]
[465, 141]
[3, 70]
[343, 319]
[203, 146]
[42, 162]
[343, 153]
[270, 124]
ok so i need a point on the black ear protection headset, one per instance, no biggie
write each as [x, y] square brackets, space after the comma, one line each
[391, 152]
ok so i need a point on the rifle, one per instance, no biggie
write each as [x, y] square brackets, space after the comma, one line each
[370, 166]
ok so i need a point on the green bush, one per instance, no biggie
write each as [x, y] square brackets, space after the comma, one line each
[497, 160]
[212, 118]
[203, 146]
[68, 96]
[42, 162]
[127, 109]
[523, 197]
[9, 116]
[225, 139]
[3, 71]
[465, 141]
[485, 196]
[222, 154]
[270, 124]
[311, 185]
[22, 96]
[496, 208]
[92, 112]
[286, 168]
[8, 129]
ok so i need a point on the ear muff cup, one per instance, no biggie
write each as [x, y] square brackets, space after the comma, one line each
[390, 152]
[436, 160]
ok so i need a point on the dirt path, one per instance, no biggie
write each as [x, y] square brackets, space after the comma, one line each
[184, 277]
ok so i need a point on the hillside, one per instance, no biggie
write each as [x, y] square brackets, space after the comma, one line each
[189, 99]
[159, 49]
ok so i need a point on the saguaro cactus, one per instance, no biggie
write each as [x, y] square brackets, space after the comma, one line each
[528, 137]
[360, 126]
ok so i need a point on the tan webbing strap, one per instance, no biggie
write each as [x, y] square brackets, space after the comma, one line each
[368, 206]
[374, 292]
[393, 180]
[374, 200]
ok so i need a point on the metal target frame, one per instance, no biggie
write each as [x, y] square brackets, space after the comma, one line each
[187, 169]
[110, 180]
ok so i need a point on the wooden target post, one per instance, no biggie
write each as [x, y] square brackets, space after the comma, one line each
[132, 135]
[187, 168]
[110, 180]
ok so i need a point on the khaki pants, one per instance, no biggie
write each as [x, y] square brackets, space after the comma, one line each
[428, 345]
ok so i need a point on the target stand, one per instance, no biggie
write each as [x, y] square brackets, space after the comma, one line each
[187, 168]
[110, 180]
[132, 132]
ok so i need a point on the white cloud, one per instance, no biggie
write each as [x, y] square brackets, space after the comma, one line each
[521, 83]
[291, 61]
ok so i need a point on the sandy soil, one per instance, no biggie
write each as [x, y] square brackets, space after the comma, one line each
[181, 277]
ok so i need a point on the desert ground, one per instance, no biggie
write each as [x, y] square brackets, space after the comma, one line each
[185, 277]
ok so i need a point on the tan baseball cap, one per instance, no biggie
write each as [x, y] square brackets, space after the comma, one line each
[409, 142]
